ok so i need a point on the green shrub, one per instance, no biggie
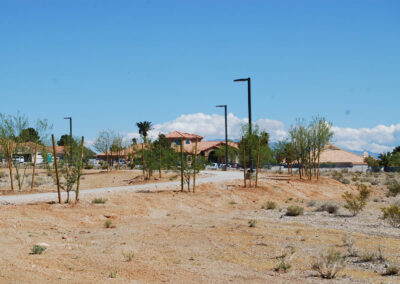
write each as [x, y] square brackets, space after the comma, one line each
[375, 182]
[394, 188]
[329, 264]
[99, 201]
[113, 273]
[252, 223]
[270, 205]
[311, 203]
[356, 203]
[392, 215]
[128, 256]
[108, 223]
[329, 207]
[344, 181]
[391, 270]
[38, 249]
[294, 210]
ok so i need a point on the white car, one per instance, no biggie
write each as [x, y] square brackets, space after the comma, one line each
[213, 166]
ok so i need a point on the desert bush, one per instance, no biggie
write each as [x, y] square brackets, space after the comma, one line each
[391, 271]
[99, 201]
[375, 182]
[329, 207]
[394, 188]
[108, 223]
[311, 203]
[344, 181]
[392, 215]
[373, 256]
[365, 180]
[345, 171]
[113, 273]
[348, 242]
[38, 249]
[283, 265]
[88, 166]
[232, 202]
[270, 205]
[2, 175]
[173, 177]
[329, 264]
[128, 255]
[294, 210]
[354, 178]
[356, 203]
[252, 223]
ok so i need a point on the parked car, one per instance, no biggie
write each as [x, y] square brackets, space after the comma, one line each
[213, 166]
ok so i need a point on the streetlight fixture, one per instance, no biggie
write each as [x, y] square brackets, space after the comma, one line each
[70, 141]
[249, 107]
[226, 135]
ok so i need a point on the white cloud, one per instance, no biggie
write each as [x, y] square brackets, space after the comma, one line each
[212, 126]
[378, 139]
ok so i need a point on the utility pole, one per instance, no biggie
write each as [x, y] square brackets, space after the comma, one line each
[248, 80]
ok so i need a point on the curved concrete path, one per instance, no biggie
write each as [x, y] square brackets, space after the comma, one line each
[216, 177]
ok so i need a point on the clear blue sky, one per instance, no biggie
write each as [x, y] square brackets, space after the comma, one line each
[109, 64]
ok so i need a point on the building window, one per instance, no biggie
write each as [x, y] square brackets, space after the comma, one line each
[177, 142]
[187, 141]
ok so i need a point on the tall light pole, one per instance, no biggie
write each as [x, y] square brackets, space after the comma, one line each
[226, 135]
[70, 141]
[249, 107]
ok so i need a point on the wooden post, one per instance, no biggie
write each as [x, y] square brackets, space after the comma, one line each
[244, 161]
[258, 161]
[194, 166]
[55, 165]
[34, 166]
[80, 172]
[181, 165]
[9, 158]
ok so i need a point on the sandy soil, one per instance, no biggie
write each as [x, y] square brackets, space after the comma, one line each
[201, 237]
[90, 179]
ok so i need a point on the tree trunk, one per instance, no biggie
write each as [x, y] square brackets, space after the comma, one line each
[55, 165]
[244, 161]
[34, 167]
[9, 158]
[107, 158]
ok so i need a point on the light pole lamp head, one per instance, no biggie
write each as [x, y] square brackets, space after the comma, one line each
[221, 106]
[67, 117]
[241, 80]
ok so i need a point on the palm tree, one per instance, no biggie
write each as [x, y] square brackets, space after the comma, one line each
[144, 128]
[385, 160]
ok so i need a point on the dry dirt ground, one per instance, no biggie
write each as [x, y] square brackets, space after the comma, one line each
[202, 237]
[90, 179]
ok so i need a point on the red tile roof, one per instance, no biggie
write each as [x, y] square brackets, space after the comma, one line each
[182, 135]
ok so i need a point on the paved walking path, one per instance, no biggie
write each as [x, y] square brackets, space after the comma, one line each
[215, 177]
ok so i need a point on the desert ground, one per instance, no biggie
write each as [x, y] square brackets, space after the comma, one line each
[222, 233]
